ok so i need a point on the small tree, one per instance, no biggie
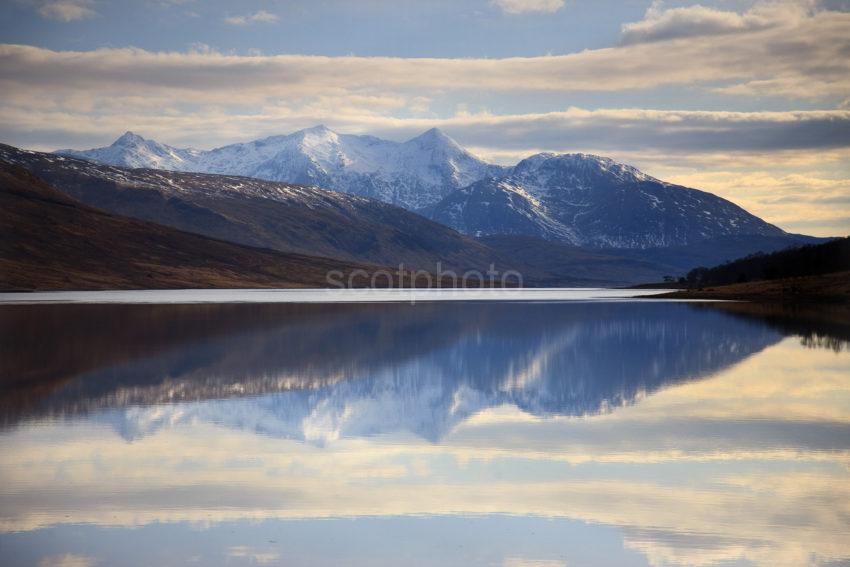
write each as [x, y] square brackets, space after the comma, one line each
[697, 275]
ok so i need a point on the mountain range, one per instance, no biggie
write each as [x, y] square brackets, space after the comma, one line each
[253, 212]
[311, 221]
[575, 199]
[413, 174]
[560, 220]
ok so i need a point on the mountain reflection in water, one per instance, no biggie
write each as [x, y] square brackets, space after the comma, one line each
[677, 425]
[434, 364]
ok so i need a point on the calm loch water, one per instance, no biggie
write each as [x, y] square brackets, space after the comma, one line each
[490, 433]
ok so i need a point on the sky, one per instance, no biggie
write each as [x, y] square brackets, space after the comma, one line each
[747, 99]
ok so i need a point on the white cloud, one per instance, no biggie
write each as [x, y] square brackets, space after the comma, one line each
[692, 21]
[260, 17]
[526, 562]
[67, 10]
[262, 557]
[804, 60]
[524, 6]
[67, 560]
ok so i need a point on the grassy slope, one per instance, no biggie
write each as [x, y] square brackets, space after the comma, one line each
[344, 227]
[52, 242]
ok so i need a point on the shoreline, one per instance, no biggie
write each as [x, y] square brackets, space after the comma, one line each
[825, 288]
[326, 295]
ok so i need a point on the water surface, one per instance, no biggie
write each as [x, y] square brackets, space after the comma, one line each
[464, 433]
[327, 295]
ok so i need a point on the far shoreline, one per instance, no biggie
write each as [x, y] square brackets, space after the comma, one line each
[824, 288]
[322, 295]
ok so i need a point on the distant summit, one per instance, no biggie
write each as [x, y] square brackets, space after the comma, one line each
[413, 174]
[577, 199]
[132, 150]
[435, 138]
[128, 139]
[588, 200]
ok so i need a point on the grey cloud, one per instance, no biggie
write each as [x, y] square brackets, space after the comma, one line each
[840, 200]
[815, 199]
[672, 131]
[835, 5]
[675, 133]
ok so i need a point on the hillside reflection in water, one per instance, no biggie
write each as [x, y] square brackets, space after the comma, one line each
[471, 433]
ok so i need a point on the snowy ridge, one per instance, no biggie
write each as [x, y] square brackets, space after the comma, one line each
[194, 186]
[593, 201]
[413, 174]
[131, 150]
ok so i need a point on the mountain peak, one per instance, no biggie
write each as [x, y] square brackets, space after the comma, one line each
[128, 138]
[434, 134]
[318, 129]
[435, 138]
[581, 164]
[319, 134]
[566, 158]
[594, 201]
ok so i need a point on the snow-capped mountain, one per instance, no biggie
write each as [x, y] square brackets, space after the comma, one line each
[593, 201]
[413, 174]
[577, 199]
[254, 212]
[131, 150]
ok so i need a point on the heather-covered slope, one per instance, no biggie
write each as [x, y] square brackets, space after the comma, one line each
[278, 216]
[50, 241]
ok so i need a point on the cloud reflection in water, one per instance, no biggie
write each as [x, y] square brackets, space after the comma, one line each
[698, 436]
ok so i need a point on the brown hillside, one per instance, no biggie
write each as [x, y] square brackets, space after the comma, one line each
[49, 241]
